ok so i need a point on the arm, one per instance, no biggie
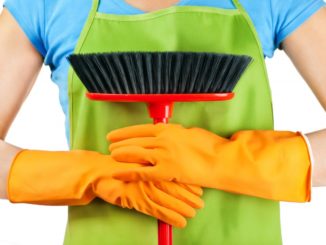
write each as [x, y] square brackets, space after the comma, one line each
[267, 164]
[67, 178]
[16, 54]
[310, 60]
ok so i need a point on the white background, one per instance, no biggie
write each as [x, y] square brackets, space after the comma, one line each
[40, 125]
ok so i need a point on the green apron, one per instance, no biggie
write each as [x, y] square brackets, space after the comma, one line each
[227, 219]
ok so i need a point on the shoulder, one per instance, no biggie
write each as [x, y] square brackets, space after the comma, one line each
[291, 14]
[50, 24]
[30, 17]
[276, 19]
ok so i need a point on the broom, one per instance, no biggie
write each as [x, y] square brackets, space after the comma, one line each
[159, 79]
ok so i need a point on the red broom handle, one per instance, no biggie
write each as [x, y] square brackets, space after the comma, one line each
[164, 230]
[164, 233]
[160, 113]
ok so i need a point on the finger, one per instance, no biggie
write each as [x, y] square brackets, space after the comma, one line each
[197, 190]
[168, 201]
[149, 207]
[134, 154]
[179, 192]
[164, 214]
[145, 142]
[144, 130]
[146, 173]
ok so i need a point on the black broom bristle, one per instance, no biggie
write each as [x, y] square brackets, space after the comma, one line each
[159, 72]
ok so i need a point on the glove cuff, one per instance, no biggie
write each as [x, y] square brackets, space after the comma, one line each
[52, 178]
[311, 157]
[10, 185]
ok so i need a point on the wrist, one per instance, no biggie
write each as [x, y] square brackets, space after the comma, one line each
[7, 155]
[311, 156]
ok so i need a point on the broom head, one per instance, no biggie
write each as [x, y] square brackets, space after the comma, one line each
[159, 73]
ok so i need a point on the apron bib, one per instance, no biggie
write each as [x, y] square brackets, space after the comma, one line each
[226, 219]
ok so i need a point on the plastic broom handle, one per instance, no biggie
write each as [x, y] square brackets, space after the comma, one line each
[160, 113]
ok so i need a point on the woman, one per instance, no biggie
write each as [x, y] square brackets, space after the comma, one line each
[250, 159]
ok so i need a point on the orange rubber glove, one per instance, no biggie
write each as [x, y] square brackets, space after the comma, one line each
[77, 177]
[268, 164]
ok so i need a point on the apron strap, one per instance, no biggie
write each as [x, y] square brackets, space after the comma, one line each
[238, 5]
[95, 5]
[87, 25]
[244, 13]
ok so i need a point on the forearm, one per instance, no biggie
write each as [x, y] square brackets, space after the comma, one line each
[306, 47]
[7, 154]
[318, 145]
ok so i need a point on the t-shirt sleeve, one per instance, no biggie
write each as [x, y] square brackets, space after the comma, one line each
[30, 16]
[288, 15]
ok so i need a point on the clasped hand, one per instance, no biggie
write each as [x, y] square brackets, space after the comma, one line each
[263, 163]
[166, 152]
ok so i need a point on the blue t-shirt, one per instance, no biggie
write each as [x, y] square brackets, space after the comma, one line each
[53, 26]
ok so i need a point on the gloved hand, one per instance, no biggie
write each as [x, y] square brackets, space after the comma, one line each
[268, 164]
[77, 177]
